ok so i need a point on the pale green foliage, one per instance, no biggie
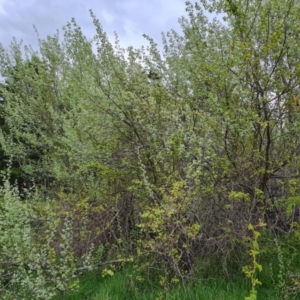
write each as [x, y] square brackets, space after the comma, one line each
[32, 265]
[169, 233]
[251, 270]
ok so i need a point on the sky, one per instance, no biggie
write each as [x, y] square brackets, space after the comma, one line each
[129, 18]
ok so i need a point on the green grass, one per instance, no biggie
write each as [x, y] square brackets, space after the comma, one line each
[93, 287]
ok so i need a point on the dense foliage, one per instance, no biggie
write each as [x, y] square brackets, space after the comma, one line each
[181, 163]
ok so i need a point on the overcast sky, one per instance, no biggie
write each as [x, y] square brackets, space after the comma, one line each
[129, 18]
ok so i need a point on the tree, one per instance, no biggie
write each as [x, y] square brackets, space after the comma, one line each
[237, 81]
[26, 120]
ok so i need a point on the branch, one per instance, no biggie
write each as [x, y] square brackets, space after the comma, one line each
[100, 265]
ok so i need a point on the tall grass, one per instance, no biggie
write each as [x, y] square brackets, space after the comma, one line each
[121, 286]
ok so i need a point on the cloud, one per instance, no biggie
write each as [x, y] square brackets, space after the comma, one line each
[108, 17]
[129, 18]
[2, 4]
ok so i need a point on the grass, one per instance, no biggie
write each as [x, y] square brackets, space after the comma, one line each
[120, 286]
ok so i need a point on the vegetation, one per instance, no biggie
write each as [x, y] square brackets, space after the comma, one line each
[121, 286]
[169, 168]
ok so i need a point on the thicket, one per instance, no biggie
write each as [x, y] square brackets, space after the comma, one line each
[183, 163]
